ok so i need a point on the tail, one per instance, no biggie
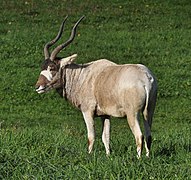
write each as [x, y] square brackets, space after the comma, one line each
[150, 103]
[145, 110]
[150, 100]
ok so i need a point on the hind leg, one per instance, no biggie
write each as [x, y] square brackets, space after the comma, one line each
[133, 121]
[148, 136]
[148, 116]
[106, 133]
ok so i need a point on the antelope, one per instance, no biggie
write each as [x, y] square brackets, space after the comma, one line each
[102, 89]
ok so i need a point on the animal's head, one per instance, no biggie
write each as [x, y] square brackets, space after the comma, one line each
[52, 64]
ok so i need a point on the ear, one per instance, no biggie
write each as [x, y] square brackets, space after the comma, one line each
[68, 60]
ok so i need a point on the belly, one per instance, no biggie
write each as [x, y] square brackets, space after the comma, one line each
[112, 110]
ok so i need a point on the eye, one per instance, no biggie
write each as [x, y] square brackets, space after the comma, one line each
[51, 68]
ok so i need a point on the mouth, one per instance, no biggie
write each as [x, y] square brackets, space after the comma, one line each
[41, 89]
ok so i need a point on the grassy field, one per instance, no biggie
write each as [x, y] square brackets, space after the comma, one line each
[44, 137]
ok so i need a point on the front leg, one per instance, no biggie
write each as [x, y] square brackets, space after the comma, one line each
[106, 133]
[88, 117]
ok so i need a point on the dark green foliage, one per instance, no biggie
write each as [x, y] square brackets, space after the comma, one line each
[43, 137]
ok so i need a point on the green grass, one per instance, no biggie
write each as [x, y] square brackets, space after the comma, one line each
[44, 137]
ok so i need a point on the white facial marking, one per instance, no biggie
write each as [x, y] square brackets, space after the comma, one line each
[47, 74]
[40, 89]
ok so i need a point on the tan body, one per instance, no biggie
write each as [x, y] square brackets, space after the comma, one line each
[103, 88]
[121, 88]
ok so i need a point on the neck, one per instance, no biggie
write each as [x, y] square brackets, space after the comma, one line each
[71, 83]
